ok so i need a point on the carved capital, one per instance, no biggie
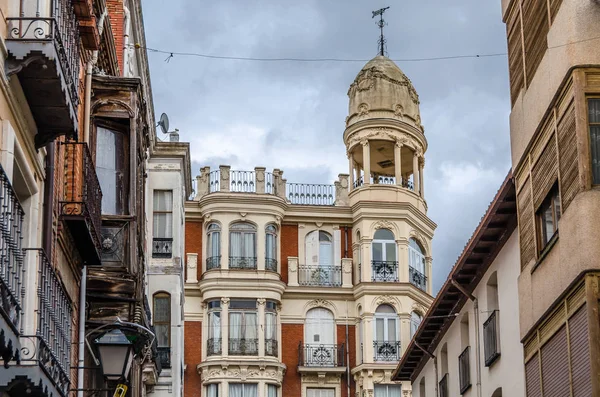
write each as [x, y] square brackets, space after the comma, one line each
[225, 301]
[261, 301]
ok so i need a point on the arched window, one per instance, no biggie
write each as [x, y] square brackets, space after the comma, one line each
[358, 257]
[242, 246]
[213, 343]
[415, 321]
[271, 345]
[497, 392]
[320, 268]
[213, 246]
[422, 392]
[387, 339]
[319, 337]
[385, 262]
[416, 264]
[162, 326]
[271, 248]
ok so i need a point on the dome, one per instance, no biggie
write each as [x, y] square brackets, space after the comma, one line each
[382, 90]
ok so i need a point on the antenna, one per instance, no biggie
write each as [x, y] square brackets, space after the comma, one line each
[381, 23]
[163, 123]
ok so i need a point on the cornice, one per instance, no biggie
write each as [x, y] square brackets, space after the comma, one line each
[227, 200]
[386, 123]
[256, 284]
[407, 208]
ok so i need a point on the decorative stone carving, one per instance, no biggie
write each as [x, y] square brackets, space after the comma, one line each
[363, 109]
[417, 307]
[225, 301]
[348, 267]
[261, 301]
[383, 224]
[386, 300]
[243, 214]
[320, 303]
[399, 111]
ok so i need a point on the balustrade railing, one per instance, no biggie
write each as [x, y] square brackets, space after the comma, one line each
[242, 181]
[269, 183]
[320, 275]
[443, 386]
[271, 347]
[417, 278]
[213, 347]
[213, 262]
[162, 247]
[321, 355]
[491, 338]
[12, 270]
[271, 264]
[383, 180]
[385, 271]
[386, 350]
[242, 262]
[243, 347]
[464, 370]
[164, 356]
[214, 181]
[307, 194]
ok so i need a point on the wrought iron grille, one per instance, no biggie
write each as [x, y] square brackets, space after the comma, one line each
[57, 24]
[386, 180]
[417, 278]
[269, 183]
[162, 247]
[214, 179]
[319, 355]
[243, 181]
[385, 271]
[243, 347]
[464, 370]
[444, 386]
[317, 275]
[213, 347]
[242, 262]
[115, 247]
[358, 182]
[271, 347]
[307, 194]
[214, 262]
[491, 341]
[12, 271]
[164, 356]
[386, 350]
[271, 264]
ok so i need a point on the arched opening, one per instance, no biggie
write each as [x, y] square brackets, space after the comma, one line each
[416, 264]
[422, 392]
[386, 345]
[415, 321]
[213, 246]
[497, 392]
[319, 339]
[242, 246]
[384, 257]
[320, 268]
[491, 326]
[271, 248]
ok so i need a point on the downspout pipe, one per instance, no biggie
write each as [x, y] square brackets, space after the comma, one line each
[49, 198]
[347, 352]
[81, 350]
[477, 338]
[126, 50]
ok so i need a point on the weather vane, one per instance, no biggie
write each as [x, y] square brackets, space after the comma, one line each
[381, 23]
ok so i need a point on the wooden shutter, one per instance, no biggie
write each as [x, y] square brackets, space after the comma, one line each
[532, 377]
[554, 7]
[544, 172]
[580, 354]
[337, 247]
[526, 224]
[567, 144]
[515, 52]
[535, 31]
[555, 365]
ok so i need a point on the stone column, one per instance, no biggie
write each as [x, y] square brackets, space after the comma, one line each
[421, 184]
[259, 178]
[367, 267]
[416, 172]
[346, 272]
[261, 326]
[224, 327]
[224, 180]
[428, 261]
[404, 320]
[293, 271]
[192, 268]
[398, 163]
[351, 169]
[403, 273]
[366, 162]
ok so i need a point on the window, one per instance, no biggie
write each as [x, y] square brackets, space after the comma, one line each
[386, 344]
[422, 392]
[416, 265]
[213, 246]
[162, 326]
[271, 248]
[271, 347]
[491, 328]
[464, 364]
[415, 321]
[111, 168]
[271, 391]
[243, 328]
[388, 391]
[319, 338]
[162, 224]
[243, 390]
[594, 120]
[320, 268]
[384, 260]
[548, 216]
[213, 343]
[212, 390]
[242, 246]
[443, 384]
[320, 392]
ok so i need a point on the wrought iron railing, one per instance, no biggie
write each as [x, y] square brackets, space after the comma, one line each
[417, 278]
[443, 386]
[214, 347]
[164, 356]
[491, 340]
[243, 347]
[83, 196]
[384, 271]
[269, 183]
[242, 262]
[242, 181]
[358, 182]
[57, 24]
[271, 264]
[321, 355]
[320, 275]
[162, 247]
[386, 350]
[464, 370]
[50, 348]
[12, 270]
[213, 262]
[271, 347]
[307, 194]
[385, 180]
[214, 180]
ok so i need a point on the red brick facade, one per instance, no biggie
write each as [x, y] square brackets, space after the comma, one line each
[293, 335]
[116, 14]
[192, 357]
[193, 241]
[289, 247]
[350, 346]
[346, 241]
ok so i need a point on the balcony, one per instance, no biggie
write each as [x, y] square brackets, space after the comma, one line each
[320, 275]
[214, 262]
[384, 180]
[464, 370]
[491, 340]
[243, 347]
[417, 278]
[271, 264]
[43, 51]
[82, 198]
[310, 194]
[321, 356]
[162, 247]
[271, 347]
[213, 347]
[242, 263]
[443, 386]
[388, 351]
[12, 270]
[385, 271]
[164, 357]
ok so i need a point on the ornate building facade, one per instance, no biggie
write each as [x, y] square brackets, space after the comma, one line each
[313, 290]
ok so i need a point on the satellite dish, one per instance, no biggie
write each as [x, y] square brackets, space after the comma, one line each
[164, 123]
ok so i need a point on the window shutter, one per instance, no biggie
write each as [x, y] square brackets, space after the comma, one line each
[544, 171]
[532, 377]
[567, 144]
[526, 224]
[580, 354]
[555, 365]
[337, 247]
[515, 52]
[535, 32]
[554, 7]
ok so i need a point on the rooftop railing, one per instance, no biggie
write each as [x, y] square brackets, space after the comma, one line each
[310, 194]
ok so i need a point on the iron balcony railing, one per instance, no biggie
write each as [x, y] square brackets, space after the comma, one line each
[213, 262]
[271, 347]
[417, 278]
[443, 386]
[164, 356]
[242, 262]
[242, 181]
[271, 264]
[213, 347]
[310, 194]
[214, 180]
[320, 275]
[243, 347]
[491, 339]
[385, 271]
[383, 180]
[162, 247]
[12, 270]
[321, 355]
[464, 370]
[386, 350]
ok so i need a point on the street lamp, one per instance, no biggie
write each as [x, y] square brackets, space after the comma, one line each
[115, 354]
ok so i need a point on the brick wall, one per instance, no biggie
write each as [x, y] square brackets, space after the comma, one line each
[289, 247]
[193, 241]
[348, 244]
[349, 344]
[116, 15]
[293, 334]
[192, 357]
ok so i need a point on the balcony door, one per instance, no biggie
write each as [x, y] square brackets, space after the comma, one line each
[321, 268]
[386, 344]
[384, 258]
[319, 337]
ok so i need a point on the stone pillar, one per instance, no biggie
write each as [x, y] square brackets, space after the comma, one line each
[402, 246]
[405, 337]
[351, 170]
[293, 271]
[421, 184]
[398, 163]
[347, 272]
[192, 268]
[367, 270]
[416, 172]
[279, 183]
[428, 261]
[259, 178]
[261, 326]
[224, 182]
[366, 162]
[341, 190]
[224, 327]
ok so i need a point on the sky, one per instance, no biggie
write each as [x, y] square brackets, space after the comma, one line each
[290, 115]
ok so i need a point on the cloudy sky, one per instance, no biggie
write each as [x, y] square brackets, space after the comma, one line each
[290, 115]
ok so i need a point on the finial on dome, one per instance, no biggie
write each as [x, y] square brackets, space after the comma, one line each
[381, 23]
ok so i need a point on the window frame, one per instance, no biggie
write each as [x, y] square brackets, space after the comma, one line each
[162, 295]
[211, 233]
[551, 202]
[271, 232]
[243, 312]
[216, 387]
[384, 243]
[387, 389]
[594, 179]
[246, 261]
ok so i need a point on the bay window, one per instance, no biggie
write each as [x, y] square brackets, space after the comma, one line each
[242, 246]
[243, 390]
[111, 168]
[415, 321]
[271, 391]
[212, 390]
[162, 326]
[271, 345]
[271, 248]
[594, 122]
[243, 327]
[548, 215]
[388, 391]
[213, 343]
[416, 265]
[384, 259]
[213, 246]
[386, 345]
